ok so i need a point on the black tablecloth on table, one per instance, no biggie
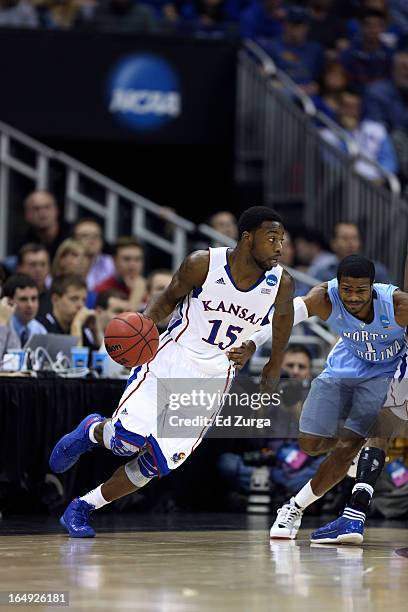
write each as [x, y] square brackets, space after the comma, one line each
[35, 413]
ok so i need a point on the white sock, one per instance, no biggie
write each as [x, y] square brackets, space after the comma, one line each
[305, 497]
[91, 432]
[95, 498]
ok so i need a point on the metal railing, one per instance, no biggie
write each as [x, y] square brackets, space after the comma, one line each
[279, 139]
[16, 149]
[80, 185]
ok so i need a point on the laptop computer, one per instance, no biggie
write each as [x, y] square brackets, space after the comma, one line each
[53, 343]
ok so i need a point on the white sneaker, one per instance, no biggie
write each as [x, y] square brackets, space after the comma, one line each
[287, 522]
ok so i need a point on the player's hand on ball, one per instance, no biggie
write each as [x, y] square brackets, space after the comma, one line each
[241, 354]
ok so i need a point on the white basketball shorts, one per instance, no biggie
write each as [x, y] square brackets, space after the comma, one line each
[159, 412]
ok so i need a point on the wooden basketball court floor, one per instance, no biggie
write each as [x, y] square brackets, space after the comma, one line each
[191, 563]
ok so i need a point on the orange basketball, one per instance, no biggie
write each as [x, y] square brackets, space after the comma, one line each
[131, 339]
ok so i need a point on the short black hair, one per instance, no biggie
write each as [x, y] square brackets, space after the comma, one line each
[299, 348]
[17, 281]
[356, 266]
[102, 298]
[253, 218]
[30, 247]
[61, 283]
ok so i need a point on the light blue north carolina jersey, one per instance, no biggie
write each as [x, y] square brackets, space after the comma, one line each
[365, 349]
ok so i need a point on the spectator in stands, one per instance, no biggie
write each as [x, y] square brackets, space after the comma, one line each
[17, 14]
[346, 241]
[8, 337]
[262, 20]
[333, 83]
[109, 304]
[33, 259]
[301, 58]
[41, 214]
[368, 59]
[326, 27]
[128, 258]
[69, 259]
[297, 362]
[399, 12]
[387, 101]
[68, 14]
[237, 468]
[225, 223]
[69, 314]
[392, 33]
[371, 138]
[22, 293]
[99, 265]
[156, 283]
[310, 250]
[124, 16]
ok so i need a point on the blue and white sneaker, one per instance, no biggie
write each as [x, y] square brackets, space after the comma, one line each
[347, 529]
[71, 446]
[76, 519]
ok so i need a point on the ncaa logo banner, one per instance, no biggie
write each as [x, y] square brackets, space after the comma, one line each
[144, 92]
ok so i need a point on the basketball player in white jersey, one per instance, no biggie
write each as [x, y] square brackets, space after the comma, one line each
[220, 297]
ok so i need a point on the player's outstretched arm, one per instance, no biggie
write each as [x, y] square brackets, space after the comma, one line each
[192, 273]
[282, 324]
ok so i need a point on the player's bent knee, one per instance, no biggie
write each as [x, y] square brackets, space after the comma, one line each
[133, 472]
[115, 444]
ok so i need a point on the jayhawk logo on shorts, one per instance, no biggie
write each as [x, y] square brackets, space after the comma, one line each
[178, 457]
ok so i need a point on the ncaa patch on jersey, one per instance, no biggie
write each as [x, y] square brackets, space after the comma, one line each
[385, 322]
[271, 280]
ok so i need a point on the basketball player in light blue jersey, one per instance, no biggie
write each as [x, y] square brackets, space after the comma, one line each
[345, 400]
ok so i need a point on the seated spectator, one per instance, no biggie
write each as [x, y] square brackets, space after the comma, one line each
[108, 305]
[68, 14]
[293, 52]
[99, 265]
[262, 19]
[128, 258]
[68, 314]
[391, 35]
[399, 12]
[346, 240]
[368, 60]
[33, 259]
[237, 469]
[333, 82]
[124, 16]
[22, 293]
[225, 223]
[8, 337]
[370, 137]
[17, 14]
[69, 259]
[156, 283]
[310, 249]
[387, 101]
[41, 215]
[326, 27]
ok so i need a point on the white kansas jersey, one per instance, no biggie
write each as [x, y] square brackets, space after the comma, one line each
[213, 318]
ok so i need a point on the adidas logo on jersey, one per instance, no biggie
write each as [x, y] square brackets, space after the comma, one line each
[220, 281]
[124, 411]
